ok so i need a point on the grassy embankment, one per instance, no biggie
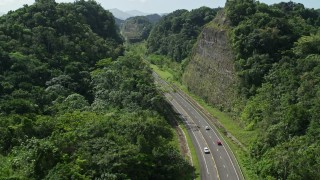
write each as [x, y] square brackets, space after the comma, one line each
[194, 160]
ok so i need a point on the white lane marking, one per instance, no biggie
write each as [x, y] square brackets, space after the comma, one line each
[182, 109]
[224, 166]
[205, 162]
[227, 175]
[213, 131]
[220, 157]
[214, 162]
[201, 153]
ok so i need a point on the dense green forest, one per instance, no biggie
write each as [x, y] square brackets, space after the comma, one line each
[136, 29]
[175, 34]
[277, 59]
[263, 35]
[74, 104]
[154, 18]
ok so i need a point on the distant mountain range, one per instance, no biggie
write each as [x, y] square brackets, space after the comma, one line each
[136, 13]
[123, 15]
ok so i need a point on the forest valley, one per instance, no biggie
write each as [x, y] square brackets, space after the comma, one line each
[77, 103]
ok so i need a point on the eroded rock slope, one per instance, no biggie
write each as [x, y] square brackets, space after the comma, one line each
[210, 73]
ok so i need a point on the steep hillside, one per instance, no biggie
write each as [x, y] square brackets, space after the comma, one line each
[154, 18]
[176, 33]
[210, 73]
[118, 22]
[136, 29]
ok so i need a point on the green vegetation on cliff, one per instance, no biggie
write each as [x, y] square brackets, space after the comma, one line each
[154, 18]
[72, 106]
[175, 34]
[210, 72]
[136, 29]
[263, 35]
[277, 59]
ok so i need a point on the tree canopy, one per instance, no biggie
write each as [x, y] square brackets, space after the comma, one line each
[136, 29]
[73, 105]
[175, 34]
[277, 59]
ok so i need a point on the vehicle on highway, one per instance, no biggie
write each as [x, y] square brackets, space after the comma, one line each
[206, 150]
[207, 128]
[219, 143]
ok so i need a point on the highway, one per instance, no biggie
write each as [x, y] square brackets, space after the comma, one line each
[220, 163]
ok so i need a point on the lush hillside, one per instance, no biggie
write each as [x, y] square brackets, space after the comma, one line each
[71, 106]
[48, 43]
[277, 59]
[118, 22]
[175, 34]
[154, 18]
[136, 29]
[263, 35]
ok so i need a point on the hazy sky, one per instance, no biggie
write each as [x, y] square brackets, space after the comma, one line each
[152, 6]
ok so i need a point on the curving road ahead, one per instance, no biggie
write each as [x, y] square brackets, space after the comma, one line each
[220, 163]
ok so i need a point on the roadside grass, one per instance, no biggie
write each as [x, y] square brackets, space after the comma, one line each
[175, 140]
[194, 156]
[244, 136]
[245, 162]
[176, 144]
[165, 75]
[195, 162]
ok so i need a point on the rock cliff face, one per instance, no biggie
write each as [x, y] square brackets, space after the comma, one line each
[210, 73]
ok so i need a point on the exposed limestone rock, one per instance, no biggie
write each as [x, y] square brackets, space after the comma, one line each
[210, 73]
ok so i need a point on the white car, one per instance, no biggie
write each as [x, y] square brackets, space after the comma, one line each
[206, 150]
[207, 128]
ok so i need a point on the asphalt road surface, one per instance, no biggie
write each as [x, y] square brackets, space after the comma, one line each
[220, 163]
